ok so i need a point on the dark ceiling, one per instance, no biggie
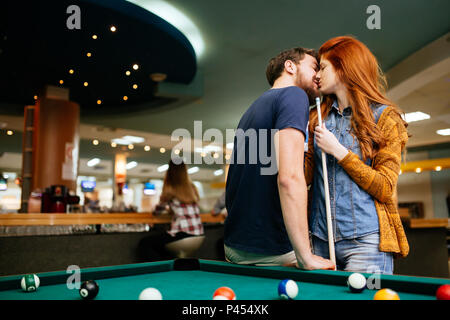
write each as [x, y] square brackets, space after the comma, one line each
[37, 49]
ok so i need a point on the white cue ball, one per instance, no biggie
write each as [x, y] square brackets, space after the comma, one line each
[356, 282]
[150, 294]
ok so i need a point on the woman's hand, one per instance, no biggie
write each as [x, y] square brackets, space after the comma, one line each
[328, 143]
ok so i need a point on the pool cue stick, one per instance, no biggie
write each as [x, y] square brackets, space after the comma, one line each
[327, 195]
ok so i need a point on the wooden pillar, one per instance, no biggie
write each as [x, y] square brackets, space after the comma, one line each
[27, 157]
[120, 177]
[56, 141]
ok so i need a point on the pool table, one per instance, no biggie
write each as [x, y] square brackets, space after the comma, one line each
[193, 279]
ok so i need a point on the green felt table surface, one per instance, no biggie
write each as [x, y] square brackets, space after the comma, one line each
[248, 282]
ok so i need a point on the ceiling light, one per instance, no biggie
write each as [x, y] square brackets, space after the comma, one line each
[218, 172]
[95, 142]
[130, 146]
[113, 29]
[94, 36]
[61, 81]
[89, 54]
[162, 150]
[135, 66]
[418, 170]
[131, 165]
[135, 86]
[438, 168]
[444, 132]
[93, 162]
[193, 170]
[125, 98]
[35, 97]
[227, 157]
[99, 101]
[127, 72]
[415, 116]
[128, 140]
[163, 168]
[9, 132]
[85, 84]
[134, 139]
[147, 148]
[113, 144]
[71, 71]
[207, 149]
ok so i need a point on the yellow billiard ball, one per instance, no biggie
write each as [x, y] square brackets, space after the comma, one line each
[386, 294]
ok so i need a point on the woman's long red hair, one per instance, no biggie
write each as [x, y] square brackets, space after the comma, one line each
[359, 71]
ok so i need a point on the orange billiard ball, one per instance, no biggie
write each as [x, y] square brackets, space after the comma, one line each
[386, 294]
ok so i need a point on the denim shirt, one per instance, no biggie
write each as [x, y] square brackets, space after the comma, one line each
[353, 211]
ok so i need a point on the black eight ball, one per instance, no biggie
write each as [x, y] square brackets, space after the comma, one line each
[89, 290]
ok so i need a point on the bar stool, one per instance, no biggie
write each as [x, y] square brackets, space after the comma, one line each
[186, 247]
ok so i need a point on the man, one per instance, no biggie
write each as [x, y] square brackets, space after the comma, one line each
[267, 212]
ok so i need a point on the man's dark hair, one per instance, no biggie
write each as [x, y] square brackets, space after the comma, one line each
[276, 64]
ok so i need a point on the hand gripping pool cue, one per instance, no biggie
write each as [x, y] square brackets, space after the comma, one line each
[327, 194]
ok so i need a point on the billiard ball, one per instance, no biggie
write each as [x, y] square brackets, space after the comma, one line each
[356, 282]
[386, 294]
[224, 293]
[30, 282]
[150, 294]
[287, 289]
[443, 292]
[89, 290]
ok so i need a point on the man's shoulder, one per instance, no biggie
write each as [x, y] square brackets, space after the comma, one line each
[293, 90]
[293, 94]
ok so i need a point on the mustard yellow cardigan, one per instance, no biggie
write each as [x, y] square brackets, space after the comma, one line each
[379, 180]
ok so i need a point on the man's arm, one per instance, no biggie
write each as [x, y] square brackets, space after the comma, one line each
[289, 146]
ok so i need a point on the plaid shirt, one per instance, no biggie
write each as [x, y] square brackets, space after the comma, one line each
[186, 218]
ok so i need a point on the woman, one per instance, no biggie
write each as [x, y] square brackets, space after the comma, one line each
[179, 198]
[363, 136]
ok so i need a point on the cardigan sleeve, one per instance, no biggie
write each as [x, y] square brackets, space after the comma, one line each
[380, 180]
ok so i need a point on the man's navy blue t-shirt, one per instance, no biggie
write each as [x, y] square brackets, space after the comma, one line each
[255, 221]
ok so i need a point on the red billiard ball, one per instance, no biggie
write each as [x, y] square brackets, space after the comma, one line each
[224, 293]
[443, 293]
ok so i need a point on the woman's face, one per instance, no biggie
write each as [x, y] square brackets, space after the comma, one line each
[329, 81]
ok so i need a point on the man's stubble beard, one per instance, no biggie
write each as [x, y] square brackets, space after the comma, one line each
[310, 91]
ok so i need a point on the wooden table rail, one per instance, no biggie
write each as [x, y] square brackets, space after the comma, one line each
[429, 223]
[58, 219]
